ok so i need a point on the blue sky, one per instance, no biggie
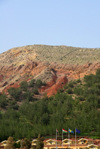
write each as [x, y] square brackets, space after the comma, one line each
[51, 22]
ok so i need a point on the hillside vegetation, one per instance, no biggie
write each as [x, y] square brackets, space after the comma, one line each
[77, 105]
[45, 53]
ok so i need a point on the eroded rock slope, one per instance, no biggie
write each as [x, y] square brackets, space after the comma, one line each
[56, 65]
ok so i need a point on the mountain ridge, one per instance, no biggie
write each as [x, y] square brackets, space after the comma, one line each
[38, 61]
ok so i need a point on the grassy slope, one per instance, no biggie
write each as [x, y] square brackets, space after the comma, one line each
[59, 54]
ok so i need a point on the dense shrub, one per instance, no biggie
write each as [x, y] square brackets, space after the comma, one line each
[39, 83]
[90, 80]
[35, 91]
[32, 83]
[24, 85]
[70, 91]
[78, 91]
[71, 84]
[3, 101]
[15, 93]
[78, 81]
[81, 98]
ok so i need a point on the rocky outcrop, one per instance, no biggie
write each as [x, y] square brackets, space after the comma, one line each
[15, 85]
[58, 84]
[1, 78]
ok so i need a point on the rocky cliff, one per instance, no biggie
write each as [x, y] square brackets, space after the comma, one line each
[56, 65]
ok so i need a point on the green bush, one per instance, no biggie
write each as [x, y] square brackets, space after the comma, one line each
[78, 90]
[98, 72]
[32, 83]
[15, 106]
[66, 86]
[78, 81]
[71, 84]
[70, 91]
[24, 85]
[15, 93]
[81, 98]
[90, 80]
[3, 101]
[39, 83]
[28, 95]
[35, 91]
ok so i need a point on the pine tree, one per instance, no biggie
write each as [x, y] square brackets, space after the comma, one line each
[39, 144]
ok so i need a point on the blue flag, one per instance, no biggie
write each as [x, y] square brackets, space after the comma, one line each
[71, 131]
[77, 131]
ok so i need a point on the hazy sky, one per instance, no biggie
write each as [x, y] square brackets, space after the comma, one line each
[51, 22]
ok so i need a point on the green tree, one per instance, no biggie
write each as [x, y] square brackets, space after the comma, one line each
[24, 85]
[70, 91]
[3, 101]
[28, 95]
[39, 143]
[35, 91]
[39, 83]
[32, 83]
[15, 93]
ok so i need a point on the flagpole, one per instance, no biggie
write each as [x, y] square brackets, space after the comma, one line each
[75, 138]
[62, 138]
[56, 138]
[69, 139]
[68, 136]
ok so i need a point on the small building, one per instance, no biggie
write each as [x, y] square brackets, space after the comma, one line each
[90, 141]
[83, 141]
[52, 142]
[18, 141]
[3, 143]
[92, 146]
[33, 143]
[66, 141]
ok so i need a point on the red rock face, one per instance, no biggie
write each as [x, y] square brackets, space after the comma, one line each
[15, 85]
[1, 78]
[61, 74]
[58, 84]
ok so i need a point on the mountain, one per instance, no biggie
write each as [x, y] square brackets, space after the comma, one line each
[55, 65]
[32, 71]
